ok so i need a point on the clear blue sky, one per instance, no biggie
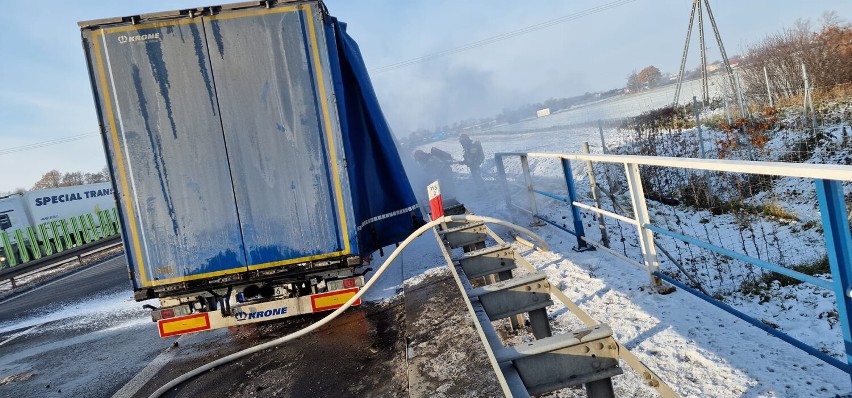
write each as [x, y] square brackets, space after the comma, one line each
[45, 93]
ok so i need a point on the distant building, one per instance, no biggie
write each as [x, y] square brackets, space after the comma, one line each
[542, 112]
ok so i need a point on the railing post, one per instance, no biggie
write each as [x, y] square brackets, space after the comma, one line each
[646, 236]
[575, 211]
[528, 181]
[501, 174]
[593, 184]
[835, 223]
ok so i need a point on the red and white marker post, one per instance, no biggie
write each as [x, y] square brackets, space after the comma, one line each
[436, 204]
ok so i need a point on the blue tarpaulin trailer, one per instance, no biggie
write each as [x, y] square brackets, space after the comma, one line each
[246, 143]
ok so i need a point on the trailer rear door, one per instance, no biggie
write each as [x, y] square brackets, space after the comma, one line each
[223, 137]
[272, 89]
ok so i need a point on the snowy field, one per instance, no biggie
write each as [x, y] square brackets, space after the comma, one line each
[617, 107]
[695, 347]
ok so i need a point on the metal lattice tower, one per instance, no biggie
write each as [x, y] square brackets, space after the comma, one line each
[696, 6]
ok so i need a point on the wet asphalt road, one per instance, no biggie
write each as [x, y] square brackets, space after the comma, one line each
[109, 277]
[83, 336]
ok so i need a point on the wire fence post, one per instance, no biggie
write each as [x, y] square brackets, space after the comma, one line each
[501, 174]
[835, 223]
[768, 91]
[698, 126]
[740, 96]
[727, 106]
[575, 211]
[603, 140]
[646, 236]
[808, 100]
[593, 184]
[525, 166]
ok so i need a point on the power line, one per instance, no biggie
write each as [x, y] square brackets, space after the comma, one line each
[502, 36]
[398, 65]
[46, 143]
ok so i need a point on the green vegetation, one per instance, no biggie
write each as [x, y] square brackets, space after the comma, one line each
[761, 286]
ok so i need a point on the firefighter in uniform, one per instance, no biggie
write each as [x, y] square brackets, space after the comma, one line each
[473, 156]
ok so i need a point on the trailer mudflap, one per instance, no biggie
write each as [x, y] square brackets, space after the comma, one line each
[256, 312]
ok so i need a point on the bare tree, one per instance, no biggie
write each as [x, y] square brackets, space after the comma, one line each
[826, 53]
[51, 179]
[105, 173]
[94, 178]
[73, 178]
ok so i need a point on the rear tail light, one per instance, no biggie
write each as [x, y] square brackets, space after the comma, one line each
[349, 283]
[166, 313]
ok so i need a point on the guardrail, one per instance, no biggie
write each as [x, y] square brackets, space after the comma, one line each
[828, 180]
[31, 246]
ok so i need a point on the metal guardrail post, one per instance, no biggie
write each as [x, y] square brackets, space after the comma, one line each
[839, 246]
[528, 182]
[575, 211]
[646, 236]
[501, 173]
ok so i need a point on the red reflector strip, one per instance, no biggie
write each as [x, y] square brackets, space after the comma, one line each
[333, 300]
[183, 325]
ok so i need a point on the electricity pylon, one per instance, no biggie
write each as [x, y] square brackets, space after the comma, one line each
[696, 7]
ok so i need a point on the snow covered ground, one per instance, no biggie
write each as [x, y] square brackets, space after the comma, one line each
[617, 107]
[695, 347]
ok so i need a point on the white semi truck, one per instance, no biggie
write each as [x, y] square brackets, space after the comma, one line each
[51, 220]
[19, 211]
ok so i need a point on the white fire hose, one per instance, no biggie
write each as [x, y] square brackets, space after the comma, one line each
[292, 336]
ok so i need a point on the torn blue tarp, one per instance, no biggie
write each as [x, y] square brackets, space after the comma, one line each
[384, 203]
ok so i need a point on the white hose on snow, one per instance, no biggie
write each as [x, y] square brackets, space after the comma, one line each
[237, 355]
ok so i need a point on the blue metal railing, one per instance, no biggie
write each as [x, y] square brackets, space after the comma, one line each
[828, 179]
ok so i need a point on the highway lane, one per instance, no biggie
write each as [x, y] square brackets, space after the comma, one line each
[81, 335]
[84, 336]
[63, 339]
[106, 278]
